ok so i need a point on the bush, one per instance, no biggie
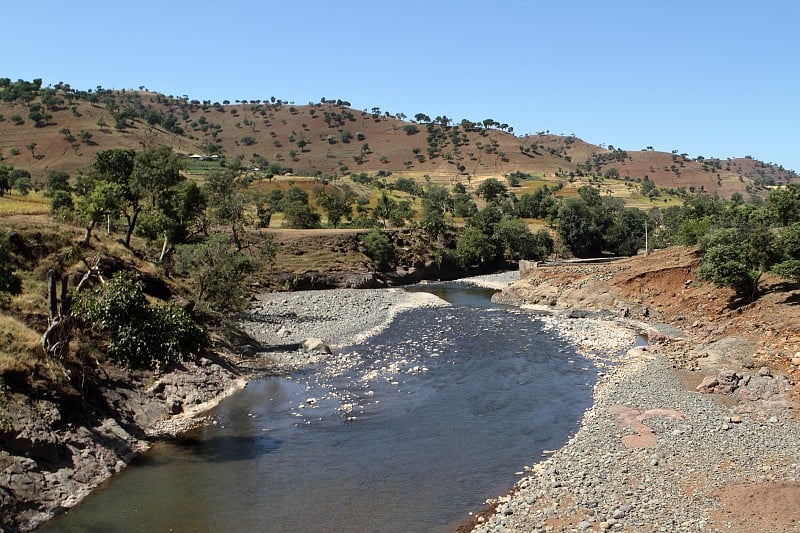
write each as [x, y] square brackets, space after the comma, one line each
[219, 274]
[139, 335]
[379, 249]
[475, 247]
[10, 283]
[61, 204]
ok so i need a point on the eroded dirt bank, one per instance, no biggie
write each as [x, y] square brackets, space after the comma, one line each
[695, 432]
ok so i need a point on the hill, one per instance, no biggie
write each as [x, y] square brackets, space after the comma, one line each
[59, 128]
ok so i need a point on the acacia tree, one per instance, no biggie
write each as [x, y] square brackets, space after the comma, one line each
[155, 172]
[104, 199]
[114, 166]
[336, 204]
[228, 198]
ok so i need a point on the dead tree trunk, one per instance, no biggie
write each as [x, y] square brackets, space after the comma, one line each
[55, 340]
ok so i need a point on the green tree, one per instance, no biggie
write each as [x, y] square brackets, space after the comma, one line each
[139, 335]
[114, 166]
[379, 249]
[61, 204]
[384, 208]
[5, 180]
[57, 180]
[179, 214]
[475, 247]
[737, 257]
[21, 180]
[788, 264]
[10, 283]
[155, 172]
[336, 204]
[300, 215]
[578, 229]
[491, 189]
[103, 199]
[626, 235]
[219, 274]
[514, 237]
[784, 204]
[228, 197]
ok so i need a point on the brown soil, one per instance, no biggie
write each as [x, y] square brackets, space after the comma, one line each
[274, 131]
[761, 507]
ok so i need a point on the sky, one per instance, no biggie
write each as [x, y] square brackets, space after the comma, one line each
[704, 77]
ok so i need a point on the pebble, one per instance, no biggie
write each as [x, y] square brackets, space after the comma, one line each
[630, 489]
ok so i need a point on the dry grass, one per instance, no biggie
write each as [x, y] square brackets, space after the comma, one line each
[18, 204]
[19, 346]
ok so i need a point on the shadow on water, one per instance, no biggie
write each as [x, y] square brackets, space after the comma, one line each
[218, 449]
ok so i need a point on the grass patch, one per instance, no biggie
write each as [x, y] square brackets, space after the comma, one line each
[29, 204]
[20, 349]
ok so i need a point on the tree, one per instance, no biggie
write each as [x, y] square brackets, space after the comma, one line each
[178, 215]
[104, 199]
[21, 180]
[784, 204]
[379, 249]
[155, 172]
[475, 247]
[336, 204]
[578, 229]
[737, 257]
[514, 237]
[5, 180]
[140, 335]
[228, 197]
[301, 216]
[61, 204]
[627, 234]
[219, 274]
[114, 166]
[490, 189]
[10, 283]
[57, 180]
[384, 208]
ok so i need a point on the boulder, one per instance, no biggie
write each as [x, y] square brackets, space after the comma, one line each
[725, 382]
[315, 345]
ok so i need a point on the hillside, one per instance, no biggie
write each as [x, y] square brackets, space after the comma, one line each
[330, 139]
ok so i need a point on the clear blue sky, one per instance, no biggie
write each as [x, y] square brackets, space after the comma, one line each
[713, 78]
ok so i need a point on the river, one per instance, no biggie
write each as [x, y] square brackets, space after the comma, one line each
[438, 413]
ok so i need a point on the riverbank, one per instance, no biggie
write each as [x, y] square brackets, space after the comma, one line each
[52, 462]
[695, 432]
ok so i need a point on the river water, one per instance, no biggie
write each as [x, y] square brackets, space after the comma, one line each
[435, 415]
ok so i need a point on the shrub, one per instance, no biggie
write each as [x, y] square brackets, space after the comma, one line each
[379, 249]
[10, 283]
[139, 335]
[61, 204]
[219, 273]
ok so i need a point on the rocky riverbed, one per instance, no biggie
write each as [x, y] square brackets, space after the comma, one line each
[690, 433]
[651, 455]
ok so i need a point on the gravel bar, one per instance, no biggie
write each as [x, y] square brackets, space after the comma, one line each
[649, 455]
